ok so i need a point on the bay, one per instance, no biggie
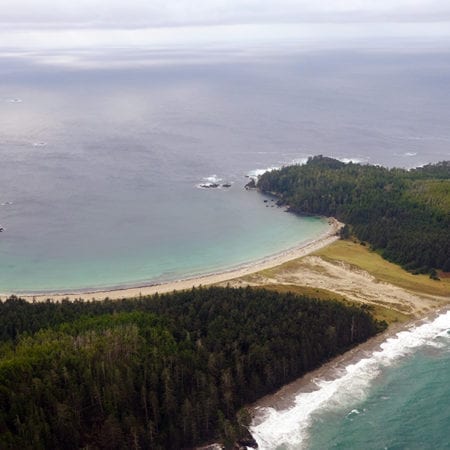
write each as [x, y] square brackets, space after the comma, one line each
[102, 152]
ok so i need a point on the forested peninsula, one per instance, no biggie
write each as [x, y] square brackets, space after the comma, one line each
[403, 214]
[162, 372]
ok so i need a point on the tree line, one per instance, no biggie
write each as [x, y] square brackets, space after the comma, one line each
[162, 372]
[404, 214]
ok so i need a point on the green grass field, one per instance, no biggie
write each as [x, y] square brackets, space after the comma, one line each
[362, 257]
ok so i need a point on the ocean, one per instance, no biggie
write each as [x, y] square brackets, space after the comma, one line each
[394, 396]
[103, 154]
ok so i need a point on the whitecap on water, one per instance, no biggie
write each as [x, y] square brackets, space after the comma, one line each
[256, 173]
[353, 413]
[300, 161]
[39, 144]
[212, 179]
[14, 100]
[352, 160]
[272, 428]
[213, 182]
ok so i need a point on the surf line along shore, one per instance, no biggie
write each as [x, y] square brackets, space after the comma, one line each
[305, 248]
[287, 414]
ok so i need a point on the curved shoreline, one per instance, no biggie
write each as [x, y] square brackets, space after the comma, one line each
[202, 280]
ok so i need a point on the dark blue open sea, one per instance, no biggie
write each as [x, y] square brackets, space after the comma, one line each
[102, 155]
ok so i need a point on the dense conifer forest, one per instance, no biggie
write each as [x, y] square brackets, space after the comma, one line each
[161, 372]
[404, 214]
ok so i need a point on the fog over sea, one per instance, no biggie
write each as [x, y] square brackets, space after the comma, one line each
[103, 155]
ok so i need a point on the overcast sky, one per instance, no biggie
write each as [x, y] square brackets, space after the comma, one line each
[49, 24]
[28, 14]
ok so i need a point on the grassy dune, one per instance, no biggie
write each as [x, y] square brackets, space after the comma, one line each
[360, 256]
[339, 270]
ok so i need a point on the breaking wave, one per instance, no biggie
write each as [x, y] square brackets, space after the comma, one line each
[288, 429]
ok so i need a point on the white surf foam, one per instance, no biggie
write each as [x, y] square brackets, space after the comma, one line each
[352, 160]
[410, 154]
[212, 179]
[256, 173]
[14, 100]
[289, 427]
[39, 144]
[300, 161]
[353, 413]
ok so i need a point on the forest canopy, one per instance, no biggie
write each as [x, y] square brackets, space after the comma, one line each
[404, 214]
[161, 372]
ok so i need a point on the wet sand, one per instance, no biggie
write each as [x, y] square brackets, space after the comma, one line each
[285, 397]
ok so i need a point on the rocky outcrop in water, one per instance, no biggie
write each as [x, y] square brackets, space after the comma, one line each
[251, 184]
[209, 185]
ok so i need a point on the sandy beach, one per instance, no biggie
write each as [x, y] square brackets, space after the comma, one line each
[285, 398]
[299, 251]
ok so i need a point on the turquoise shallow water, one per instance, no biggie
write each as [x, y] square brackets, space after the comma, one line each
[237, 228]
[407, 408]
[101, 157]
[396, 397]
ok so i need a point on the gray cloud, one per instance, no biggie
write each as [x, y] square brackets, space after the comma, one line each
[23, 14]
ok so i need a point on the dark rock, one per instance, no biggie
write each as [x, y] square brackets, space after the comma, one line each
[251, 184]
[209, 185]
[265, 201]
[247, 441]
[226, 185]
